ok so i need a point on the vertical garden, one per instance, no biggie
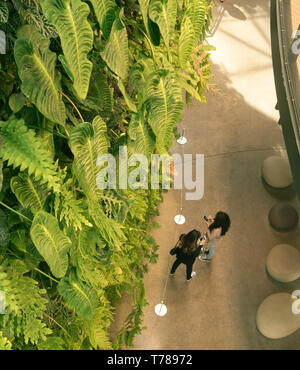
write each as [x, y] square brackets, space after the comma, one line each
[79, 79]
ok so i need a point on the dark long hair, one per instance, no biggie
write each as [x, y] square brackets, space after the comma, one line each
[189, 241]
[221, 220]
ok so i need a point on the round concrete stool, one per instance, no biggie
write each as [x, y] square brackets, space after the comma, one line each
[276, 172]
[283, 263]
[283, 217]
[274, 317]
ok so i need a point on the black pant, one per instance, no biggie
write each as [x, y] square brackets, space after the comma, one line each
[189, 267]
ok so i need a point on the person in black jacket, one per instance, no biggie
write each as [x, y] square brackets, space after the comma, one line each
[187, 250]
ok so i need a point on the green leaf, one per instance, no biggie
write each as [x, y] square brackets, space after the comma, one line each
[16, 102]
[139, 74]
[4, 12]
[45, 132]
[25, 304]
[115, 53]
[36, 68]
[100, 93]
[18, 238]
[151, 27]
[101, 141]
[52, 344]
[130, 103]
[182, 80]
[1, 174]
[87, 142]
[109, 229]
[76, 36]
[139, 132]
[164, 12]
[70, 210]
[5, 344]
[97, 329]
[4, 232]
[64, 63]
[51, 242]
[196, 11]
[164, 107]
[29, 192]
[22, 148]
[79, 296]
[186, 42]
[81, 142]
[105, 12]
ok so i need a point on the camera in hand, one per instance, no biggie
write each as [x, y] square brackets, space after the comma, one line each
[205, 218]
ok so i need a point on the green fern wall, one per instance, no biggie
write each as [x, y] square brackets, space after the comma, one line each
[80, 79]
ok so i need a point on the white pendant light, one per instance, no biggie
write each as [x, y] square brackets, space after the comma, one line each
[296, 294]
[296, 307]
[179, 219]
[161, 309]
[182, 140]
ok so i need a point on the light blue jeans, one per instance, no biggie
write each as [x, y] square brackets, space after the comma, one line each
[211, 252]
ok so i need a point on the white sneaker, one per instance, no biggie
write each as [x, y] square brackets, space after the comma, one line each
[201, 258]
[193, 274]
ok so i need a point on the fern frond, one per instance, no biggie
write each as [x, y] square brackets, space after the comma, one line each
[186, 42]
[52, 344]
[70, 210]
[97, 329]
[196, 11]
[114, 205]
[4, 12]
[85, 259]
[22, 148]
[25, 303]
[110, 230]
[35, 18]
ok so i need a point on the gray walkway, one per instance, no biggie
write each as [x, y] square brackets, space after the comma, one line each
[217, 309]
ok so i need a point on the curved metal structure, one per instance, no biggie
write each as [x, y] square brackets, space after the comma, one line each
[285, 36]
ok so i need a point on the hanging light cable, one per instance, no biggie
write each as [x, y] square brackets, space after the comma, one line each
[161, 308]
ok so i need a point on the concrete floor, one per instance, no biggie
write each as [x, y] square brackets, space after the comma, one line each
[217, 309]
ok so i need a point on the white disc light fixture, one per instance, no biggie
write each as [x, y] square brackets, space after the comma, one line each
[160, 309]
[179, 219]
[296, 303]
[182, 140]
[296, 307]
